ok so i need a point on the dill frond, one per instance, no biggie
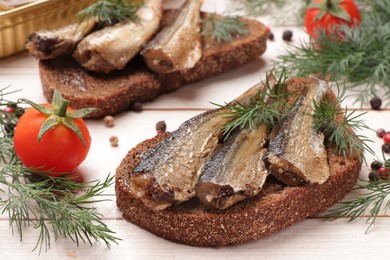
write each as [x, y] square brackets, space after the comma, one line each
[110, 12]
[8, 120]
[268, 107]
[264, 6]
[372, 201]
[222, 28]
[288, 14]
[360, 57]
[340, 126]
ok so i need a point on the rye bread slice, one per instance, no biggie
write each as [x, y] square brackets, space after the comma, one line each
[116, 92]
[277, 207]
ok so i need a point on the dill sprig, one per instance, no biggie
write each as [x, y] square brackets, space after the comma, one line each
[8, 120]
[340, 126]
[373, 200]
[261, 7]
[268, 107]
[110, 12]
[361, 57]
[266, 7]
[58, 206]
[223, 28]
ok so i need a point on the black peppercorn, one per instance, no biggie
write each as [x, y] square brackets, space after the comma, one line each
[375, 165]
[136, 106]
[19, 111]
[287, 35]
[374, 176]
[376, 103]
[161, 126]
[9, 127]
[380, 132]
[386, 148]
[270, 36]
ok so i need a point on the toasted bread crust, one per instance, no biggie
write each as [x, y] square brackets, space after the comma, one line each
[275, 208]
[114, 93]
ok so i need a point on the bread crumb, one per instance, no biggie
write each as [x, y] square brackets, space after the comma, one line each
[114, 141]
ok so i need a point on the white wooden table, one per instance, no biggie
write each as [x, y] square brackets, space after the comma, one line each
[314, 238]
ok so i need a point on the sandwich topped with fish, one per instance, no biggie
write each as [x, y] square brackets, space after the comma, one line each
[110, 63]
[249, 168]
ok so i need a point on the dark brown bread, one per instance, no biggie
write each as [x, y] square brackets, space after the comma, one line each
[115, 92]
[275, 208]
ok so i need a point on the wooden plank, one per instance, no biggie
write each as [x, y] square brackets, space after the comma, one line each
[310, 239]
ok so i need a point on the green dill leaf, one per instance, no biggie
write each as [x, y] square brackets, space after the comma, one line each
[360, 56]
[267, 7]
[110, 12]
[268, 107]
[372, 200]
[8, 120]
[340, 126]
[223, 29]
[53, 206]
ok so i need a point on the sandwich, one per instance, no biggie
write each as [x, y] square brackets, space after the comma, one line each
[133, 61]
[213, 182]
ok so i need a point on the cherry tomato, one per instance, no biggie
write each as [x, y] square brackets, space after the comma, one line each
[59, 150]
[327, 14]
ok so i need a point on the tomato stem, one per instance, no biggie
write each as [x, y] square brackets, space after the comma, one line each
[62, 108]
[58, 114]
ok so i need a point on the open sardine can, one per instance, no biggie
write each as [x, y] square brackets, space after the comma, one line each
[17, 23]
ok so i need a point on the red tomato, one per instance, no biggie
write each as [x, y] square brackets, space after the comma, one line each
[59, 149]
[314, 24]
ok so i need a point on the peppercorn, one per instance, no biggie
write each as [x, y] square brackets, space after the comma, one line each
[385, 176]
[109, 121]
[9, 127]
[136, 106]
[161, 126]
[386, 137]
[386, 148]
[19, 111]
[383, 173]
[376, 103]
[270, 36]
[375, 165]
[380, 132]
[287, 35]
[8, 109]
[114, 141]
[374, 176]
